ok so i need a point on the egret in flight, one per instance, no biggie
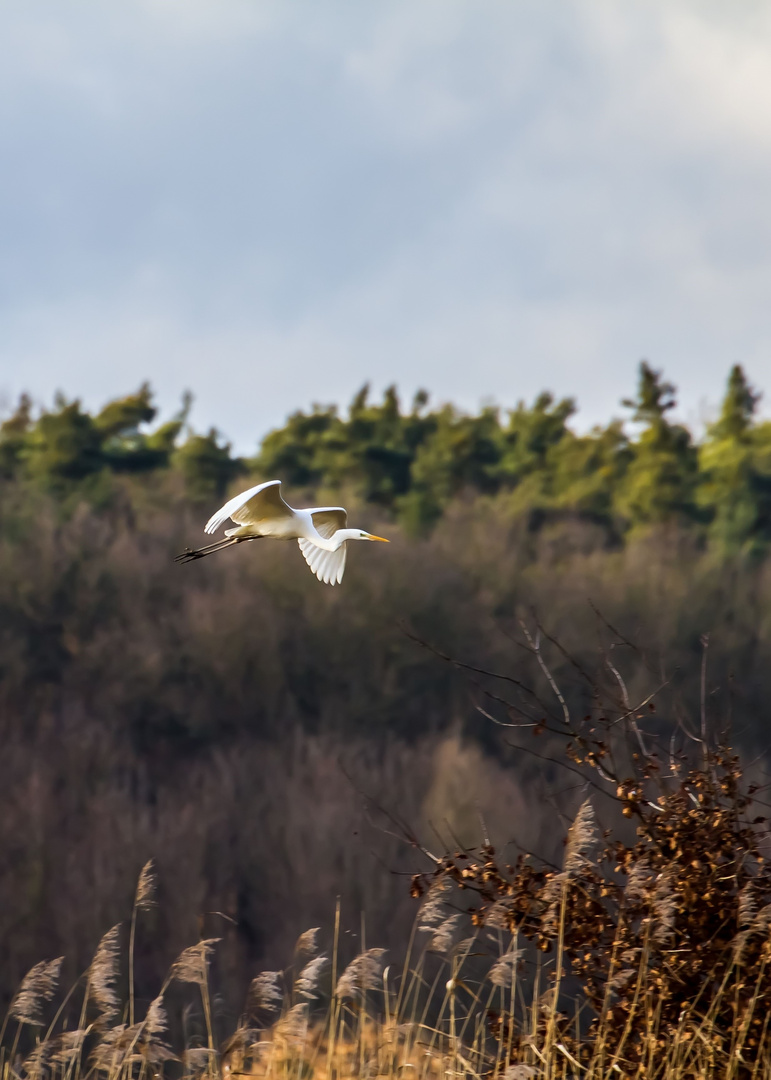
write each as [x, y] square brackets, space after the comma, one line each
[261, 511]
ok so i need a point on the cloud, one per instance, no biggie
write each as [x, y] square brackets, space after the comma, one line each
[271, 203]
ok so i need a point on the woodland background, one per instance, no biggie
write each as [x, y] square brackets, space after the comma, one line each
[251, 730]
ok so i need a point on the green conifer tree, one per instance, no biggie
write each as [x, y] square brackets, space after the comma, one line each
[63, 446]
[735, 468]
[659, 485]
[207, 466]
[14, 433]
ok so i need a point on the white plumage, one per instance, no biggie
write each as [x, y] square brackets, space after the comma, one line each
[261, 511]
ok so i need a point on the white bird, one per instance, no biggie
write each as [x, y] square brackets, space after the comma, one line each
[261, 511]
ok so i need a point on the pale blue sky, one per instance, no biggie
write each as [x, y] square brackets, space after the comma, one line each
[270, 202]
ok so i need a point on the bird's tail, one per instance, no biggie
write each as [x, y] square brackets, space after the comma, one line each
[189, 554]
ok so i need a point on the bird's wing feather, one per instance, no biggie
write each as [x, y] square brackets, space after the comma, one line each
[260, 503]
[328, 566]
[328, 519]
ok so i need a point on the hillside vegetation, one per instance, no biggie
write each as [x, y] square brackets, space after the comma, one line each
[250, 730]
[637, 944]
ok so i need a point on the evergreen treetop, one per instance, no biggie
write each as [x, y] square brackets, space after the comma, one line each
[412, 463]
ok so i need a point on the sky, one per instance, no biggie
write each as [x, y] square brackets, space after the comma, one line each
[271, 202]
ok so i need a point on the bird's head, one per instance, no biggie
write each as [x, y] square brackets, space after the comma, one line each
[359, 534]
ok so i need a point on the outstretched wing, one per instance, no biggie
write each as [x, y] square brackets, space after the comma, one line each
[328, 519]
[328, 566]
[260, 503]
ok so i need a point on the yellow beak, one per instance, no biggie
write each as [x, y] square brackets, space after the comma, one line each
[382, 539]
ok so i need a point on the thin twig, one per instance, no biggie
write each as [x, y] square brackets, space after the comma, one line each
[536, 649]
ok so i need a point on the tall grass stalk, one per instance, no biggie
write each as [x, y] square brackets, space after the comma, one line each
[334, 1004]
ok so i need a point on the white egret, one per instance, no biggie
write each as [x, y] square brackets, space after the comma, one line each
[261, 511]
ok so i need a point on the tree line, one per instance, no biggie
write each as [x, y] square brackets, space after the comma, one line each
[411, 463]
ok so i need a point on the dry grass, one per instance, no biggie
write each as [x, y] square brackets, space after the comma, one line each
[643, 954]
[473, 1006]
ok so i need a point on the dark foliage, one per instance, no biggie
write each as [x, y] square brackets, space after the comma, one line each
[222, 718]
[665, 929]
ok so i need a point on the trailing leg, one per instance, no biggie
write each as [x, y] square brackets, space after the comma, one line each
[189, 554]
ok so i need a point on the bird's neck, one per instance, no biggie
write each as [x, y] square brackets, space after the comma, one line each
[334, 541]
[327, 545]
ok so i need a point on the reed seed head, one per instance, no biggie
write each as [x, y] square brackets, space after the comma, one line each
[307, 943]
[68, 1045]
[155, 1019]
[146, 887]
[196, 1060]
[442, 937]
[747, 906]
[190, 965]
[504, 969]
[265, 992]
[638, 881]
[363, 973]
[103, 974]
[582, 839]
[110, 1051]
[664, 907]
[37, 986]
[308, 979]
[293, 1027]
[432, 911]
